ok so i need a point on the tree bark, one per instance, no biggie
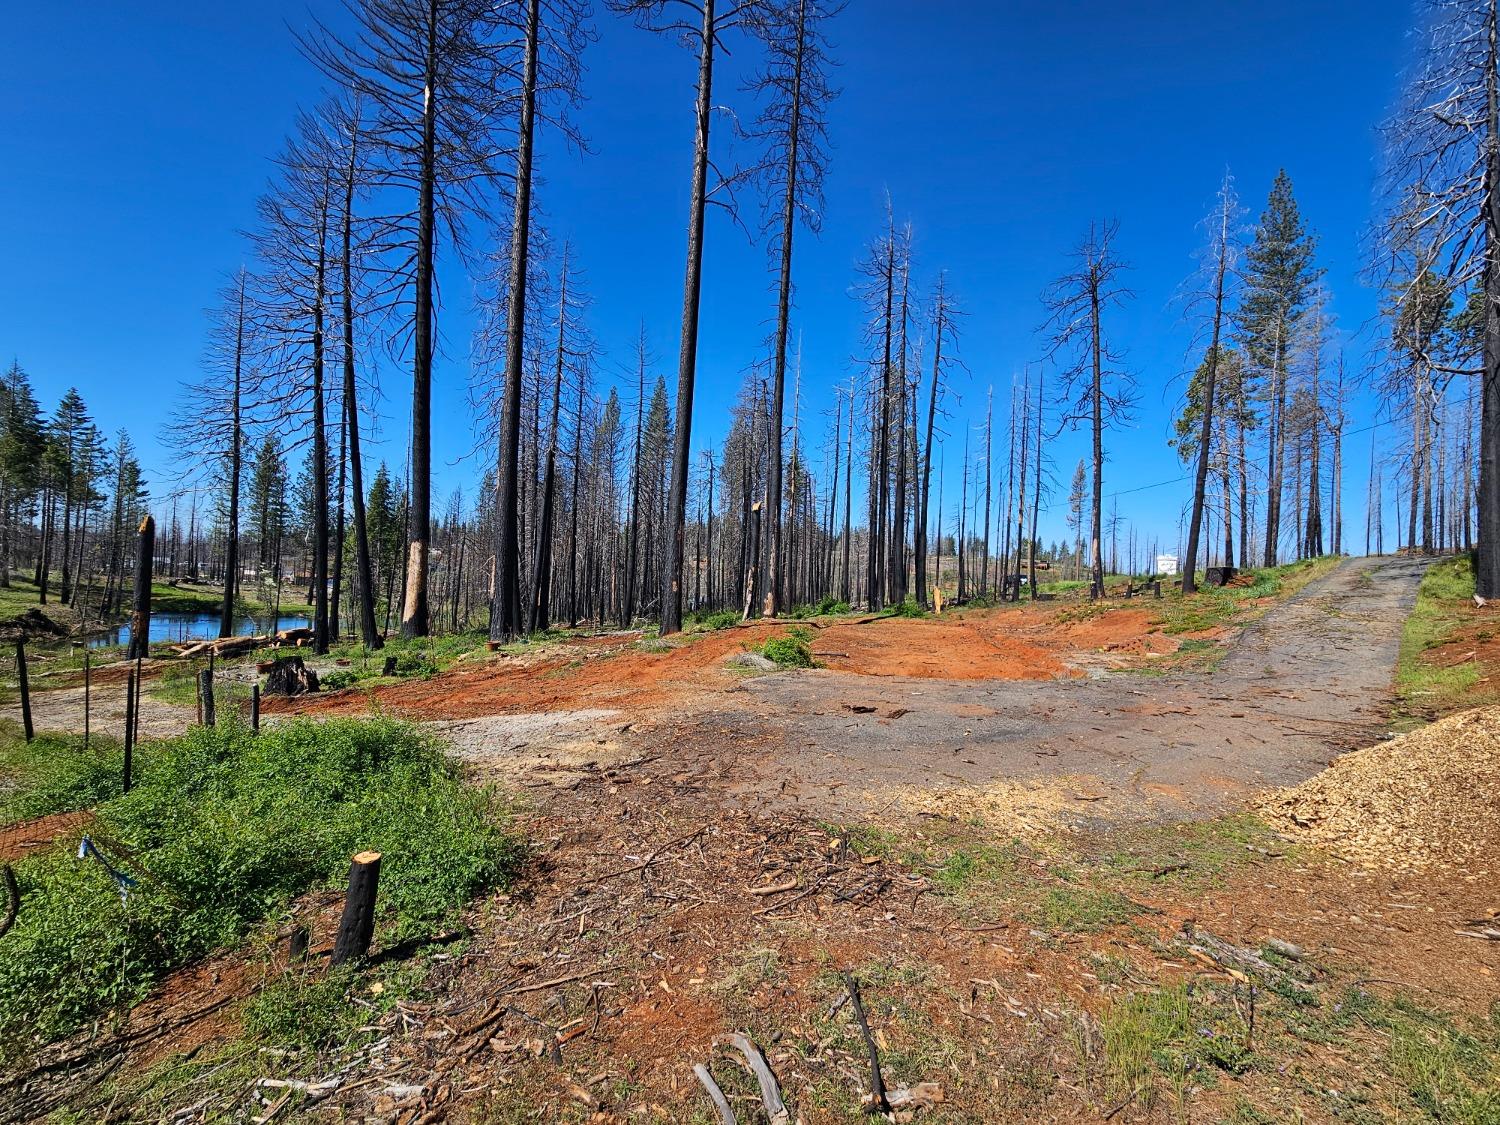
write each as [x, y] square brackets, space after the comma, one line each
[414, 615]
[687, 359]
[505, 608]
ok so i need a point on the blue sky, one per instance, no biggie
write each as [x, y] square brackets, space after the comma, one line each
[137, 137]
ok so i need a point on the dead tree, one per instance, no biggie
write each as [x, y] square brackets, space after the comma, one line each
[1218, 264]
[1094, 390]
[714, 20]
[792, 128]
[434, 78]
[944, 331]
[558, 26]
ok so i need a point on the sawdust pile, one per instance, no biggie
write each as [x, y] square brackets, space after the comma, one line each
[1424, 801]
[1038, 807]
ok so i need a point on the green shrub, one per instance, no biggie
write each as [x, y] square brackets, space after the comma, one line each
[341, 678]
[792, 650]
[224, 828]
[831, 605]
[909, 608]
[724, 619]
[54, 773]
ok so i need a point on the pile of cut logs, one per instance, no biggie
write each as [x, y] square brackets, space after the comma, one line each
[235, 646]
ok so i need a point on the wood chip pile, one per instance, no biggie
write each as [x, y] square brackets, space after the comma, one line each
[1428, 800]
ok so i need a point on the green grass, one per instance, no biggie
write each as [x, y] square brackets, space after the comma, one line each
[1196, 855]
[54, 773]
[1423, 688]
[224, 828]
[1215, 606]
[1388, 1060]
[1159, 1040]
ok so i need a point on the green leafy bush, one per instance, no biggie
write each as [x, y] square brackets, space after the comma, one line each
[54, 773]
[222, 829]
[341, 678]
[724, 619]
[831, 604]
[793, 650]
[909, 608]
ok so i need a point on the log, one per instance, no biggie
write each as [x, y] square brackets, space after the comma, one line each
[357, 926]
[25, 691]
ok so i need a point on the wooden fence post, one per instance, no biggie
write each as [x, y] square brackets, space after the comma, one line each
[254, 708]
[140, 616]
[357, 926]
[129, 728]
[206, 696]
[25, 690]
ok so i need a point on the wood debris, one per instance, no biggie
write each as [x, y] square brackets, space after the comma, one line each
[1420, 802]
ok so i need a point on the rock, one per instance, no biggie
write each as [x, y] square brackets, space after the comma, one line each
[752, 660]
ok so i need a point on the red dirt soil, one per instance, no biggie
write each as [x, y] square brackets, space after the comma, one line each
[17, 841]
[1024, 643]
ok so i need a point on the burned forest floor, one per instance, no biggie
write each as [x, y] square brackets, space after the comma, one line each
[1057, 848]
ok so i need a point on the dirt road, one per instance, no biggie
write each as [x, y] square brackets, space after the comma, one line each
[1309, 679]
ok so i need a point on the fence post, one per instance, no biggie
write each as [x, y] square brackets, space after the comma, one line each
[357, 926]
[25, 690]
[130, 697]
[206, 696]
[254, 708]
[140, 616]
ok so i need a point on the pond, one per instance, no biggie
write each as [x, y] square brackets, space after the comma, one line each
[167, 628]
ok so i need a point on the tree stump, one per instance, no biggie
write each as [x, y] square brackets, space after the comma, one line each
[357, 926]
[290, 676]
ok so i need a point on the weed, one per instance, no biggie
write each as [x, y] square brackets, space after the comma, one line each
[1422, 686]
[909, 608]
[224, 827]
[981, 862]
[791, 650]
[54, 773]
[713, 622]
[303, 1010]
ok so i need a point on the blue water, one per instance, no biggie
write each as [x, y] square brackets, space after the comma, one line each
[169, 628]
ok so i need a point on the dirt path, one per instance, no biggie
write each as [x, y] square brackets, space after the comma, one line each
[1310, 679]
